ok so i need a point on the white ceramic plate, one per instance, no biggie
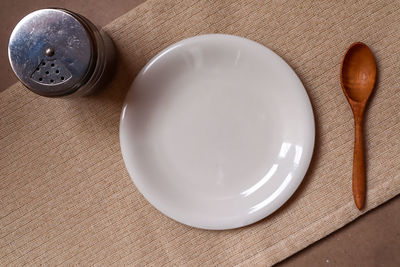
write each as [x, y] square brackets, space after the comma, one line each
[217, 131]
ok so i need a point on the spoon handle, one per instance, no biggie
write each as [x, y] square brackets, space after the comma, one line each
[358, 165]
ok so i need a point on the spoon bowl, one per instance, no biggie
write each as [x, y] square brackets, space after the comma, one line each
[358, 73]
[357, 78]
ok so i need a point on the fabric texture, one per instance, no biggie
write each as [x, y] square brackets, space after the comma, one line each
[66, 197]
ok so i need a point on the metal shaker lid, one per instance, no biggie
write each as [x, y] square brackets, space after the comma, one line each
[52, 52]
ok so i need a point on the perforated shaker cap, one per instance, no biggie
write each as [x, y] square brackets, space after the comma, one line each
[52, 52]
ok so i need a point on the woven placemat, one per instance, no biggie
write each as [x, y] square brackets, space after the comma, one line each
[66, 197]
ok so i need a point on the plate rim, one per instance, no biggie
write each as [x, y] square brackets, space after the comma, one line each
[263, 212]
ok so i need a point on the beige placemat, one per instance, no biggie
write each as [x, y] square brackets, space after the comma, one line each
[66, 197]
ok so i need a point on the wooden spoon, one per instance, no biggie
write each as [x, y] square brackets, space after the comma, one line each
[358, 75]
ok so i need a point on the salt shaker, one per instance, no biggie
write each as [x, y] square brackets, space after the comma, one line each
[56, 52]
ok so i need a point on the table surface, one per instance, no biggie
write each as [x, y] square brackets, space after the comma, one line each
[371, 240]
